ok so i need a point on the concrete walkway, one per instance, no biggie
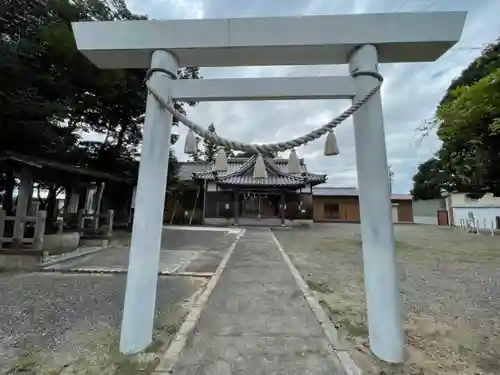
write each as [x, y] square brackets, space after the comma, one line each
[257, 321]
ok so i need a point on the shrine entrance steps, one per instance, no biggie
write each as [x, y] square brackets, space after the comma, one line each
[262, 222]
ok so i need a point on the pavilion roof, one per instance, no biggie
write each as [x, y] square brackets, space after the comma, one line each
[42, 167]
[240, 173]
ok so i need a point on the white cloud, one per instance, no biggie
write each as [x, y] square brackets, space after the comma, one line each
[410, 92]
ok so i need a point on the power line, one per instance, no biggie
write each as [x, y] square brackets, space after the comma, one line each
[401, 6]
[468, 48]
[431, 4]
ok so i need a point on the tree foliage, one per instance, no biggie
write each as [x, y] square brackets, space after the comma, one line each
[430, 180]
[52, 97]
[468, 123]
[248, 154]
[207, 150]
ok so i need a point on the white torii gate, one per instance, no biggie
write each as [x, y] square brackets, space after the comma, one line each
[363, 41]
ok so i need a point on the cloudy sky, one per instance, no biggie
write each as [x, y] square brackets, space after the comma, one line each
[410, 92]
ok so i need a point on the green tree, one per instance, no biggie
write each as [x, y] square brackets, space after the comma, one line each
[488, 62]
[51, 95]
[249, 154]
[114, 105]
[469, 126]
[468, 123]
[207, 150]
[390, 173]
[430, 179]
[35, 93]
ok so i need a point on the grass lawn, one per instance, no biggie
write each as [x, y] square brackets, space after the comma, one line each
[450, 288]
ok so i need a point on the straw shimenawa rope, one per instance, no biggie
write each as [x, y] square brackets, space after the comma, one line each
[270, 147]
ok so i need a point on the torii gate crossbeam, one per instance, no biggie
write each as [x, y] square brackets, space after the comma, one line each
[362, 41]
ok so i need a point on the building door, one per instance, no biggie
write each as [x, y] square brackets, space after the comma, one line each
[442, 217]
[259, 205]
[331, 211]
[250, 206]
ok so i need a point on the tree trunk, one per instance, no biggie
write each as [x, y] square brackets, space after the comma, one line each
[10, 183]
[121, 137]
[52, 203]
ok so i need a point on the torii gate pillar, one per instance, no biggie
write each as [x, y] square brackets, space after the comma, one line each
[142, 276]
[379, 258]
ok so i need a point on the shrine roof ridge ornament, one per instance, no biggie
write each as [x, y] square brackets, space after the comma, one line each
[304, 40]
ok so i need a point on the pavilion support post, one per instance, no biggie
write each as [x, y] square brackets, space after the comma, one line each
[41, 217]
[282, 209]
[111, 216]
[204, 202]
[142, 276]
[81, 220]
[381, 289]
[259, 206]
[23, 199]
[3, 214]
[312, 202]
[236, 206]
[99, 195]
[68, 193]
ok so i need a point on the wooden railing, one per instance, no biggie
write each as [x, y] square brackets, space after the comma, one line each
[18, 240]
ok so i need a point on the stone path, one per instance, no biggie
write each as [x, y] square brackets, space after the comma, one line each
[257, 321]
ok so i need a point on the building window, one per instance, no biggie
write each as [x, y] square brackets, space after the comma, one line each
[497, 219]
[332, 211]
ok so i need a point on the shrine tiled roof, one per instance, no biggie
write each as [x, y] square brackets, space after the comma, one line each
[240, 173]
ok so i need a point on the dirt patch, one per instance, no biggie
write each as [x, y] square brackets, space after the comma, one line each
[450, 290]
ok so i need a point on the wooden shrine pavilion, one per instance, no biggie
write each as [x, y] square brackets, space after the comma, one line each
[236, 194]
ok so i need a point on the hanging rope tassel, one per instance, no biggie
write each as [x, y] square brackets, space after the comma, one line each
[191, 145]
[294, 163]
[259, 169]
[220, 164]
[331, 147]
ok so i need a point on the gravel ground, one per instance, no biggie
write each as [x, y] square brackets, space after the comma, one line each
[450, 289]
[56, 318]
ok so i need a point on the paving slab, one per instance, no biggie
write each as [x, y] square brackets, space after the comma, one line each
[181, 239]
[256, 355]
[117, 259]
[257, 298]
[257, 320]
[198, 251]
